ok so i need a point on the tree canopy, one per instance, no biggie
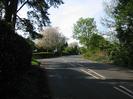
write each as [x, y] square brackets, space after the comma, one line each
[51, 40]
[122, 15]
[37, 13]
[83, 30]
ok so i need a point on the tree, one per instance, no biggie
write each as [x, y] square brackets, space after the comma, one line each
[51, 40]
[123, 15]
[98, 42]
[37, 12]
[73, 48]
[83, 30]
[108, 21]
[73, 44]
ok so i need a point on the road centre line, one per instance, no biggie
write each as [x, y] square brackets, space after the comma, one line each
[124, 92]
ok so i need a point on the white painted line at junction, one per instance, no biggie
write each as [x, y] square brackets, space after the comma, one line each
[126, 89]
[63, 60]
[97, 74]
[72, 64]
[124, 92]
[89, 73]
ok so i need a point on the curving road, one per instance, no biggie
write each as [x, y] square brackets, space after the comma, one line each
[72, 77]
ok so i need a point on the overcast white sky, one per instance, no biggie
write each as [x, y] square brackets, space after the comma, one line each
[67, 14]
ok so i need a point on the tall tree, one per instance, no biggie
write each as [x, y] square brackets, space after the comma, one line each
[83, 30]
[51, 40]
[123, 15]
[37, 12]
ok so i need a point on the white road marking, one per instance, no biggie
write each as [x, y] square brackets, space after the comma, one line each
[103, 77]
[124, 92]
[72, 64]
[63, 60]
[88, 73]
[126, 89]
[99, 75]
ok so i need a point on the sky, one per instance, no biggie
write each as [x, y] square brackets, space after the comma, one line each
[67, 14]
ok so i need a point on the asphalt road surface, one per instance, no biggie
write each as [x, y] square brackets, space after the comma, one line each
[72, 77]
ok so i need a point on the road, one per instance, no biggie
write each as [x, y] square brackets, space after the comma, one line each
[72, 77]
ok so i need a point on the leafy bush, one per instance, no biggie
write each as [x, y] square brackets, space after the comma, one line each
[15, 60]
[97, 55]
[15, 52]
[121, 55]
[71, 51]
[40, 55]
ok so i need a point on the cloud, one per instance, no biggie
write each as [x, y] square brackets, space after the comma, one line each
[66, 15]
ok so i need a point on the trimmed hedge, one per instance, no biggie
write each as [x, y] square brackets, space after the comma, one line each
[15, 52]
[40, 55]
[15, 60]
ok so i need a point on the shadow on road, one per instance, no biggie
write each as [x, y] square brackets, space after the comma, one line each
[70, 83]
[32, 85]
[90, 65]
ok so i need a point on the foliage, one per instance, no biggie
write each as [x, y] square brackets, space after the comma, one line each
[71, 49]
[95, 46]
[122, 13]
[51, 40]
[40, 55]
[99, 49]
[31, 43]
[26, 26]
[98, 56]
[98, 42]
[15, 53]
[83, 30]
[37, 12]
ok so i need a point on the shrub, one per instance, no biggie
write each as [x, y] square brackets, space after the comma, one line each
[15, 53]
[40, 55]
[71, 51]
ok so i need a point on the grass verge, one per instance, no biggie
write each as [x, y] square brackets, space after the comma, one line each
[35, 62]
[99, 57]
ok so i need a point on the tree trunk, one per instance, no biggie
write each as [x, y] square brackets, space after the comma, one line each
[15, 5]
[10, 12]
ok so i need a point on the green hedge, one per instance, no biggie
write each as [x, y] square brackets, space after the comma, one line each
[40, 55]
